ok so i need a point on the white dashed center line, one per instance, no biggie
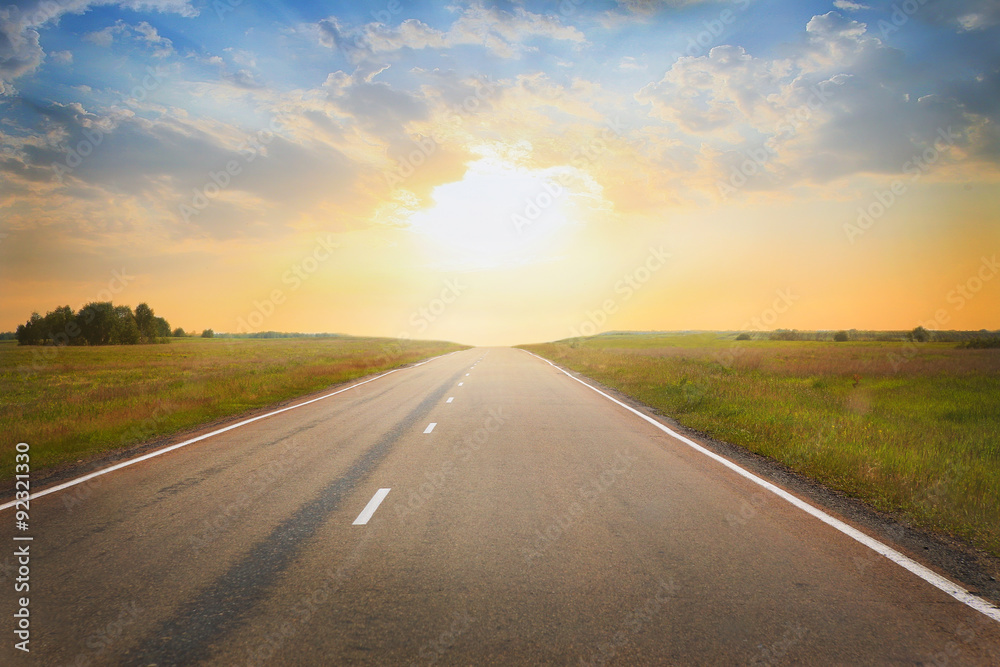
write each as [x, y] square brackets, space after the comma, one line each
[460, 384]
[370, 508]
[430, 427]
[450, 399]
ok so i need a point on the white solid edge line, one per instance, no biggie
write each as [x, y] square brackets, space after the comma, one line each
[928, 575]
[370, 508]
[144, 457]
[430, 427]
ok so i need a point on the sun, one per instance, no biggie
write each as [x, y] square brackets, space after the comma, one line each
[499, 215]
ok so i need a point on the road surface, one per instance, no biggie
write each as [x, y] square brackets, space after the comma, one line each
[536, 522]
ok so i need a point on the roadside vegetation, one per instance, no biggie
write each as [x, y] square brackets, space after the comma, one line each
[910, 426]
[97, 323]
[73, 402]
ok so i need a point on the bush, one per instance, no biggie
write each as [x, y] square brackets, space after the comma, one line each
[208, 333]
[179, 333]
[920, 335]
[743, 336]
[979, 343]
[840, 337]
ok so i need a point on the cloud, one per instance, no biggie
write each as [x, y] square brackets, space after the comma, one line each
[966, 16]
[106, 36]
[143, 33]
[629, 63]
[83, 155]
[849, 5]
[62, 57]
[503, 33]
[840, 102]
[649, 7]
[20, 50]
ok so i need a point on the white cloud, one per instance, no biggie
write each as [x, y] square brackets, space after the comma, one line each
[162, 46]
[143, 32]
[20, 50]
[62, 57]
[841, 102]
[629, 63]
[106, 36]
[646, 7]
[848, 5]
[501, 32]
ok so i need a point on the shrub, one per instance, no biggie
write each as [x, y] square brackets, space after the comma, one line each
[979, 343]
[208, 333]
[840, 337]
[743, 336]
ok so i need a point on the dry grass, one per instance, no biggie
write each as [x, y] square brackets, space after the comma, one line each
[911, 430]
[70, 403]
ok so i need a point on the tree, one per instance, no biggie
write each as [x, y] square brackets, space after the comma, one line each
[162, 327]
[208, 333]
[59, 326]
[145, 321]
[179, 333]
[96, 322]
[840, 337]
[124, 329]
[920, 335]
[30, 333]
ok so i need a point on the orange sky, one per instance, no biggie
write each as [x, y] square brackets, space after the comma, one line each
[567, 174]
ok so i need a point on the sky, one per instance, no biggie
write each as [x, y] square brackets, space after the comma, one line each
[503, 173]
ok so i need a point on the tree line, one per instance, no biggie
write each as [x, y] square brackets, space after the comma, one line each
[97, 323]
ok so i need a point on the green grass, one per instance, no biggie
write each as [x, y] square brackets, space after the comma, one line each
[911, 429]
[76, 402]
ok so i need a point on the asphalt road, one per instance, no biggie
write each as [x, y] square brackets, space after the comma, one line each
[535, 523]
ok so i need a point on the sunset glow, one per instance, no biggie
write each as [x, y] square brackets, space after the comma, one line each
[363, 159]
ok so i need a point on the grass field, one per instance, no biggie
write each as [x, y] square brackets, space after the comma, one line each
[912, 429]
[70, 403]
